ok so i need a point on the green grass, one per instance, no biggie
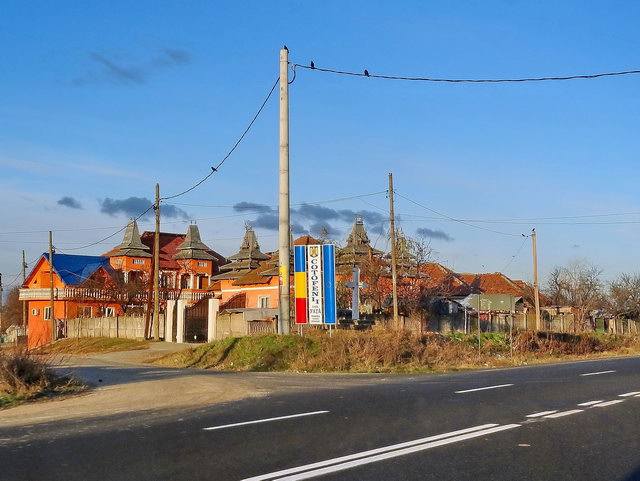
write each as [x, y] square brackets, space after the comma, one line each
[93, 345]
[251, 353]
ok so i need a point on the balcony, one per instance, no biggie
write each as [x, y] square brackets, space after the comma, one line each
[86, 294]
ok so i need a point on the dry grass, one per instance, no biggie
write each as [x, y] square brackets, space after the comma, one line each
[24, 377]
[394, 351]
[88, 345]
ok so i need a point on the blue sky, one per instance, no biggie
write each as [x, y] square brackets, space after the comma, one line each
[100, 100]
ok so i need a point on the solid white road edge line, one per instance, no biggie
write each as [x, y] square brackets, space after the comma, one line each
[609, 403]
[483, 388]
[564, 413]
[629, 394]
[393, 454]
[591, 403]
[370, 452]
[541, 413]
[595, 373]
[213, 428]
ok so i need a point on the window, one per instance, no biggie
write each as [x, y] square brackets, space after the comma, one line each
[84, 312]
[108, 312]
[35, 312]
[138, 261]
[202, 264]
[118, 261]
[263, 302]
[47, 313]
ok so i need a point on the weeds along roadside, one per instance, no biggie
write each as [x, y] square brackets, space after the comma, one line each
[395, 351]
[25, 376]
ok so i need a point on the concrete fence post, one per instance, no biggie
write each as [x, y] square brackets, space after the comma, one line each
[168, 328]
[212, 319]
[180, 321]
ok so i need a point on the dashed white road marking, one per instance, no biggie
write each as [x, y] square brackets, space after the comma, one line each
[541, 413]
[596, 373]
[266, 420]
[366, 457]
[563, 413]
[590, 403]
[483, 388]
[609, 403]
[627, 394]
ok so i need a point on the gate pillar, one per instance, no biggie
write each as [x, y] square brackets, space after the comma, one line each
[180, 321]
[212, 319]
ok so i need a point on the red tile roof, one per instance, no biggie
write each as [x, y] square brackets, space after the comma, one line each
[445, 279]
[169, 247]
[494, 283]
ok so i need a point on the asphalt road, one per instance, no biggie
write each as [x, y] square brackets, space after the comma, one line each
[573, 421]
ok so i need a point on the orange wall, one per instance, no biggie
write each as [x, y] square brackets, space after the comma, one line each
[126, 263]
[40, 329]
[251, 291]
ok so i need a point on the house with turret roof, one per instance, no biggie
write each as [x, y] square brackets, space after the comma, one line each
[87, 286]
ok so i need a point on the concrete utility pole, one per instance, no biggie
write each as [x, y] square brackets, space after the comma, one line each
[536, 292]
[284, 246]
[24, 278]
[156, 269]
[51, 303]
[394, 273]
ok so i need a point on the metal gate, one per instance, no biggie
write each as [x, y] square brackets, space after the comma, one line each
[195, 321]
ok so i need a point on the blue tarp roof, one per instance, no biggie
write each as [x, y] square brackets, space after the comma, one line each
[74, 270]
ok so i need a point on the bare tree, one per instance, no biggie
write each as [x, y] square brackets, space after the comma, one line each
[624, 296]
[578, 285]
[12, 309]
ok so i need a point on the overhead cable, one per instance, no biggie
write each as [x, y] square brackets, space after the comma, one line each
[246, 130]
[366, 73]
[456, 220]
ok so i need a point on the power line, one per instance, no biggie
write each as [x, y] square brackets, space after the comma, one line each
[215, 169]
[109, 236]
[339, 199]
[453, 80]
[456, 220]
[513, 257]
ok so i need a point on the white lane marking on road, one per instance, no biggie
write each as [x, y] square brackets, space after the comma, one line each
[393, 454]
[591, 403]
[370, 452]
[564, 413]
[609, 403]
[596, 373]
[483, 388]
[634, 393]
[212, 428]
[541, 413]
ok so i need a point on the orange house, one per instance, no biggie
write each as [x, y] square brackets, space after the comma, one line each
[70, 272]
[186, 267]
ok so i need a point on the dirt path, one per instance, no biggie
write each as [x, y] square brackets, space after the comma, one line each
[120, 383]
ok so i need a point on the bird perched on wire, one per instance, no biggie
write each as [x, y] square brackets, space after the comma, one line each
[313, 65]
[366, 72]
[286, 48]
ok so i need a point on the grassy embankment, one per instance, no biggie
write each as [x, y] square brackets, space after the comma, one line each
[24, 377]
[87, 345]
[395, 351]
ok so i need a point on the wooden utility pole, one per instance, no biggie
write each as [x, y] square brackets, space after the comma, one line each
[284, 244]
[394, 273]
[536, 287]
[51, 303]
[24, 278]
[156, 269]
